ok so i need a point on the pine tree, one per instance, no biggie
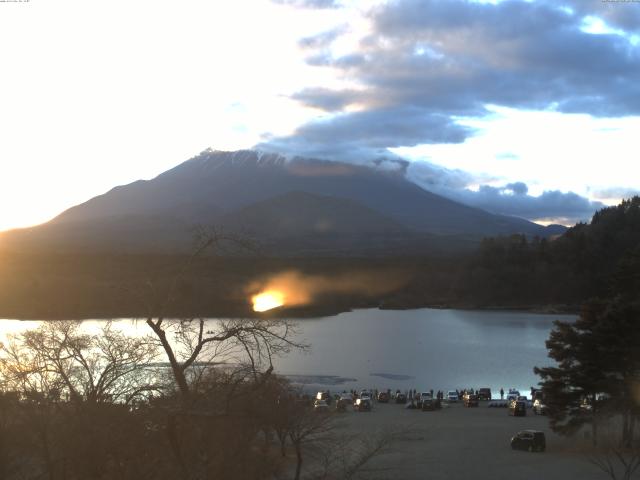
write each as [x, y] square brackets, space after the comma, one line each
[598, 371]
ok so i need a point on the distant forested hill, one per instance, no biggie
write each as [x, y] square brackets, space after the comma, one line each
[578, 265]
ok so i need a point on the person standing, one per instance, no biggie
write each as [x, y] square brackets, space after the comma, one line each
[501, 393]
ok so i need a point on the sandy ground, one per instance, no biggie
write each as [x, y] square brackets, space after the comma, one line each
[458, 442]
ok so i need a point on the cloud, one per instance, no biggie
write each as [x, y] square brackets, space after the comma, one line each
[424, 66]
[326, 99]
[552, 204]
[323, 39]
[509, 199]
[514, 53]
[367, 134]
[621, 15]
[320, 4]
[452, 58]
[615, 193]
[442, 180]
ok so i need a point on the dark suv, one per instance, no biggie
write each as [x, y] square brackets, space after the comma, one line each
[484, 394]
[530, 440]
[362, 405]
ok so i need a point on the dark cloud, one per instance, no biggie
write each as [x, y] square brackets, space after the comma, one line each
[310, 3]
[367, 134]
[517, 188]
[551, 204]
[326, 99]
[441, 180]
[515, 53]
[510, 199]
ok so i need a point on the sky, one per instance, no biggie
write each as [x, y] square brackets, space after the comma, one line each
[527, 108]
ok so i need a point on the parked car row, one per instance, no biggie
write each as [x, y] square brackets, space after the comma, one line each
[469, 398]
[529, 440]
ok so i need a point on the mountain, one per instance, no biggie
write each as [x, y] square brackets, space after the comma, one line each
[301, 213]
[274, 198]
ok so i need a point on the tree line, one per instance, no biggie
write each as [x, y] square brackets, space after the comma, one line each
[570, 269]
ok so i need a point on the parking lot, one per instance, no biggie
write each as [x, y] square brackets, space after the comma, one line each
[457, 442]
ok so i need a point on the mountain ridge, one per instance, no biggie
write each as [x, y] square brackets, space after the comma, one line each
[217, 187]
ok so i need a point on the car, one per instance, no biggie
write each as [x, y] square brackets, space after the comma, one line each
[470, 400]
[362, 405]
[326, 396]
[401, 397]
[539, 407]
[424, 396]
[343, 402]
[383, 397]
[530, 440]
[518, 408]
[320, 406]
[484, 394]
[528, 403]
[537, 394]
[430, 404]
[452, 396]
[512, 395]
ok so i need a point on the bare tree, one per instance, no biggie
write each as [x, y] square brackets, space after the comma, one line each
[59, 360]
[619, 463]
[192, 345]
[220, 369]
[617, 458]
[350, 456]
[74, 393]
[319, 441]
[306, 428]
[194, 342]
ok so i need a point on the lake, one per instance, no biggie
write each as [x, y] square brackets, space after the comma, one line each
[422, 349]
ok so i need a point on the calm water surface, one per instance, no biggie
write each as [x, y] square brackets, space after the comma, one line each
[423, 349]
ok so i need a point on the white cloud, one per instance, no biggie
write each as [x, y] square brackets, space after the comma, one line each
[546, 150]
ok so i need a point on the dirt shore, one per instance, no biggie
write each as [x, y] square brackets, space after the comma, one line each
[458, 442]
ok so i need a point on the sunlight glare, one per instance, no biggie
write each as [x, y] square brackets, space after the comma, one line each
[267, 300]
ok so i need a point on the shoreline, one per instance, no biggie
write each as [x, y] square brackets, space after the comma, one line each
[314, 313]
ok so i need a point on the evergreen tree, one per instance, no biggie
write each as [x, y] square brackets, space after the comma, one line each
[598, 371]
